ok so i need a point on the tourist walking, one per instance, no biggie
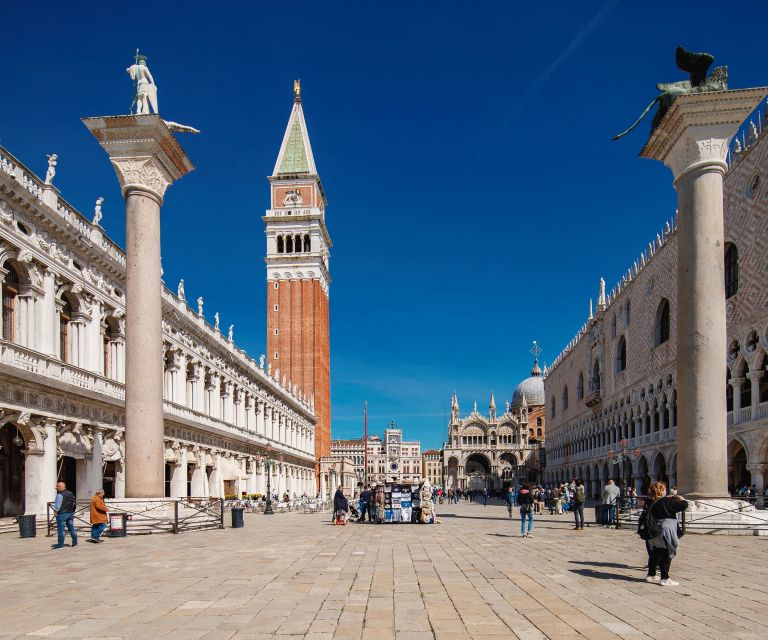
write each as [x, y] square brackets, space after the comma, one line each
[610, 499]
[578, 505]
[485, 497]
[365, 503]
[64, 508]
[660, 522]
[98, 516]
[509, 497]
[525, 500]
[340, 506]
[554, 501]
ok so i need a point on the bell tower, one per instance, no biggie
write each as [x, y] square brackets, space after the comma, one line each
[298, 252]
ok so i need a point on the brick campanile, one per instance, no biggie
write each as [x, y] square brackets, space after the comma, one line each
[298, 251]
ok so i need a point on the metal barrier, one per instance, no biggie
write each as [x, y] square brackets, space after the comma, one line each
[146, 516]
[716, 515]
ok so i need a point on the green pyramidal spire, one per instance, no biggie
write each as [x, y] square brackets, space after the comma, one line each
[295, 157]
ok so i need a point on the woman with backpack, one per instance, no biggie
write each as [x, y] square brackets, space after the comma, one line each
[658, 527]
[525, 501]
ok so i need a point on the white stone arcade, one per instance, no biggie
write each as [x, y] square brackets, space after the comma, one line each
[62, 370]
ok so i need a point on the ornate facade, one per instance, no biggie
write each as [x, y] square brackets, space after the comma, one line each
[616, 379]
[62, 371]
[489, 451]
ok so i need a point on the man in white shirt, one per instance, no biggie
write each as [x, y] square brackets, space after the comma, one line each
[611, 495]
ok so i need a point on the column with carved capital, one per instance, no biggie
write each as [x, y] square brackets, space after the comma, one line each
[692, 139]
[147, 159]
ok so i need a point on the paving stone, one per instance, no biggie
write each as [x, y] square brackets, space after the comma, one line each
[294, 576]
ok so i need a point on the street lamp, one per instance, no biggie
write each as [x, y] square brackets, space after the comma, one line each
[269, 463]
[621, 456]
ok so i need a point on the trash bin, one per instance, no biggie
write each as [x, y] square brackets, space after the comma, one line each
[601, 514]
[237, 517]
[117, 525]
[27, 525]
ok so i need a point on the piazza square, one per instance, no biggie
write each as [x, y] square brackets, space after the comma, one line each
[298, 576]
[519, 401]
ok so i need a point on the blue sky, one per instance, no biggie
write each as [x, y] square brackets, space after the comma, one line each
[475, 197]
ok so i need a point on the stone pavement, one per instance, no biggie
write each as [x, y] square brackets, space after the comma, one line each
[295, 575]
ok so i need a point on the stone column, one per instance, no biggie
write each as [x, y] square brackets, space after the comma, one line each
[147, 159]
[250, 483]
[94, 463]
[754, 379]
[692, 140]
[736, 386]
[757, 473]
[179, 474]
[47, 330]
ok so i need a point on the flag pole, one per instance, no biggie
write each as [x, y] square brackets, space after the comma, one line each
[365, 442]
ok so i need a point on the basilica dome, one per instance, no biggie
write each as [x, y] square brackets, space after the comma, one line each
[532, 388]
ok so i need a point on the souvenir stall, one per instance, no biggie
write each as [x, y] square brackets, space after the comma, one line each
[408, 503]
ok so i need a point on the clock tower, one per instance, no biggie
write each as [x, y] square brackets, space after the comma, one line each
[298, 251]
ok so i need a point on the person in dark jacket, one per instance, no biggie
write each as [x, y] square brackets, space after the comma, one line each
[340, 504]
[525, 502]
[64, 508]
[509, 497]
[366, 497]
[663, 547]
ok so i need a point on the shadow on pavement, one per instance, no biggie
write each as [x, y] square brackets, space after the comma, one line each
[614, 565]
[602, 575]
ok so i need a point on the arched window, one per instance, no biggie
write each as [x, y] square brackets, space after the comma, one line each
[297, 244]
[621, 355]
[594, 383]
[580, 387]
[10, 292]
[65, 317]
[307, 244]
[538, 433]
[280, 244]
[613, 326]
[661, 331]
[289, 244]
[565, 398]
[538, 422]
[731, 270]
[627, 315]
[553, 409]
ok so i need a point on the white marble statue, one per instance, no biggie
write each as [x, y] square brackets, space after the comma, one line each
[52, 159]
[146, 89]
[97, 212]
[216, 321]
[231, 333]
[200, 306]
[180, 290]
[261, 361]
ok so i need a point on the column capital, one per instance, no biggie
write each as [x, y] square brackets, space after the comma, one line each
[756, 374]
[698, 127]
[760, 468]
[736, 382]
[143, 151]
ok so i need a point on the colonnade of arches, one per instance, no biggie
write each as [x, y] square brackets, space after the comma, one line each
[294, 243]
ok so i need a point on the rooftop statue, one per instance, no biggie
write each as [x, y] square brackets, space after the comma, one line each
[696, 65]
[145, 89]
[97, 212]
[145, 93]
